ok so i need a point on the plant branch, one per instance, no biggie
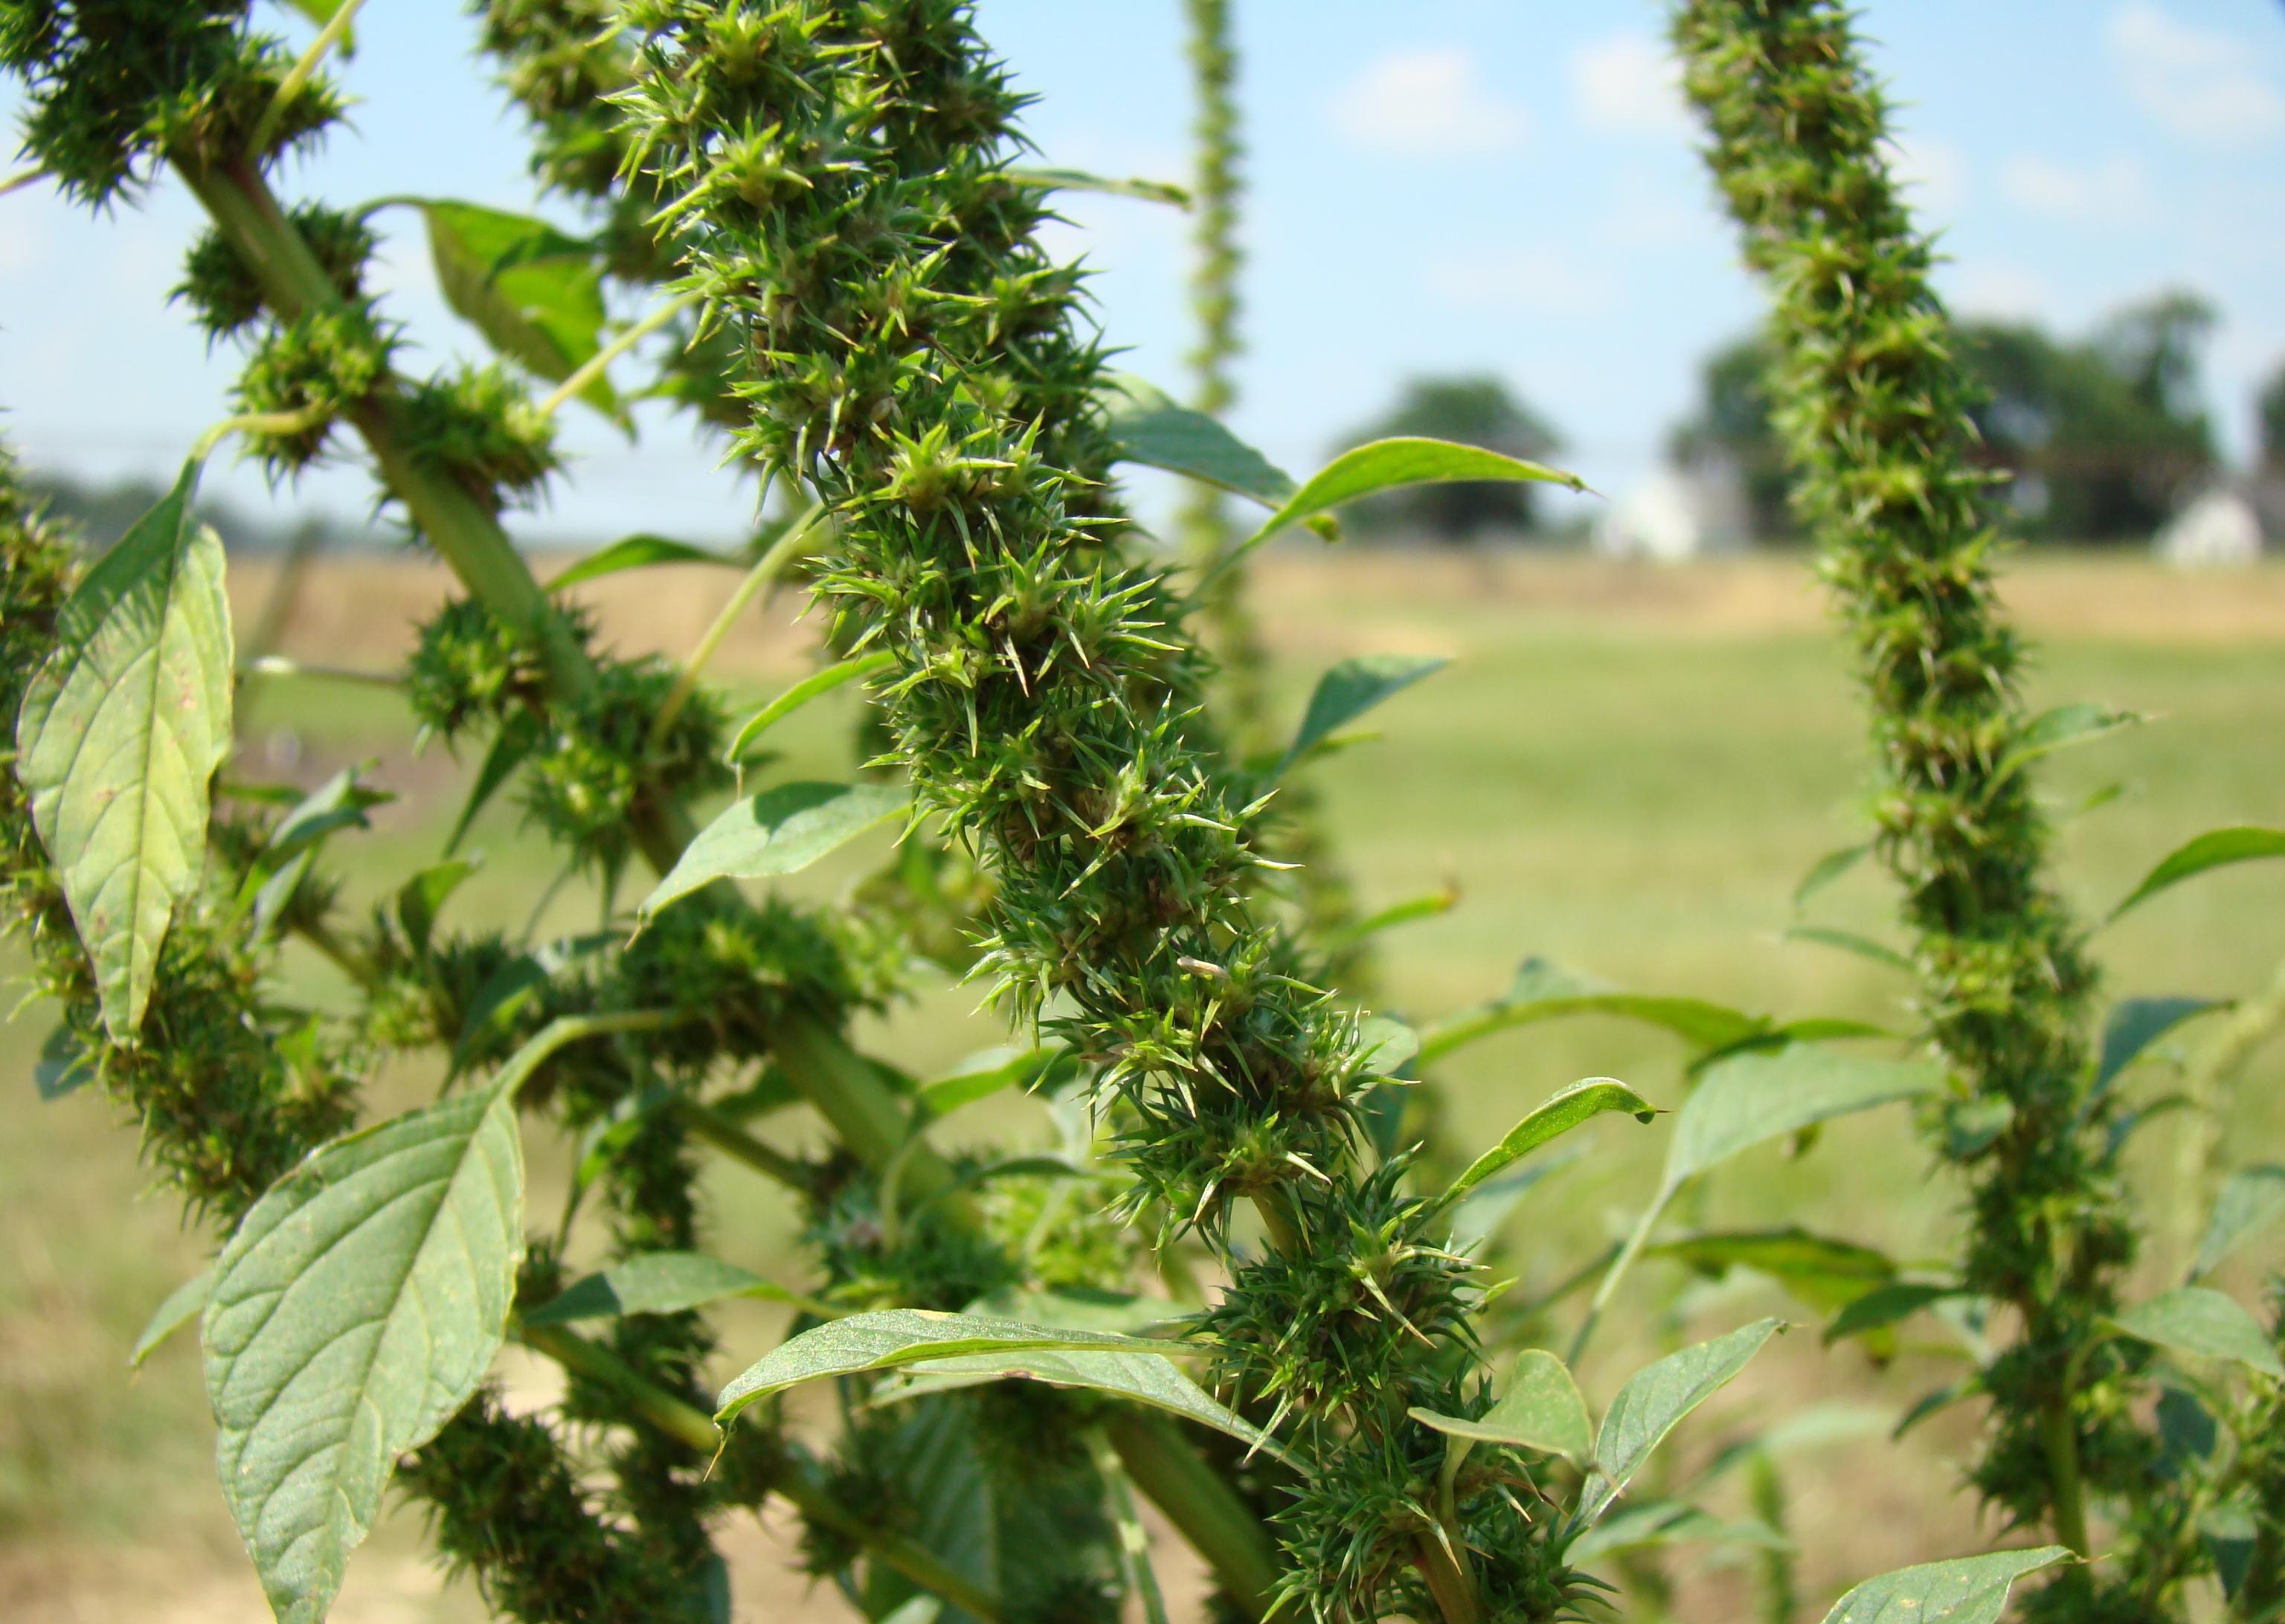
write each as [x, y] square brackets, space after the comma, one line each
[305, 69]
[595, 366]
[793, 544]
[1200, 1503]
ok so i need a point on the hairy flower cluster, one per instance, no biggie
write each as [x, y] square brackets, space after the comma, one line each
[913, 354]
[1874, 406]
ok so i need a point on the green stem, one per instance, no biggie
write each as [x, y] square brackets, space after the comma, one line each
[1620, 1264]
[304, 69]
[2060, 1432]
[711, 1125]
[279, 665]
[19, 181]
[257, 422]
[792, 545]
[796, 1478]
[594, 366]
[1449, 1581]
[1200, 1503]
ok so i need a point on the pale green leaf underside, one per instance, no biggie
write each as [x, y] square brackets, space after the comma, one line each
[1763, 1093]
[535, 293]
[1657, 1398]
[1579, 1102]
[639, 552]
[121, 731]
[1147, 1378]
[1389, 465]
[2202, 1321]
[1967, 1591]
[778, 832]
[1668, 1522]
[900, 1337]
[2253, 1199]
[354, 1311]
[655, 1282]
[1542, 1409]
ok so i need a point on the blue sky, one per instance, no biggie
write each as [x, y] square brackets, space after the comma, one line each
[1501, 185]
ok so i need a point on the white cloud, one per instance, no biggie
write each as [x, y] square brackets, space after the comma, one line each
[1935, 172]
[2194, 82]
[2115, 192]
[2004, 292]
[1628, 84]
[1435, 100]
[1536, 278]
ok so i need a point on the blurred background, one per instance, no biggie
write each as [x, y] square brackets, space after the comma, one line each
[1482, 220]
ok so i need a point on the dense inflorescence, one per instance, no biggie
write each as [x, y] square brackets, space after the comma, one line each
[1874, 406]
[910, 352]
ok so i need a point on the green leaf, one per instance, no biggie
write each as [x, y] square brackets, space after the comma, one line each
[535, 293]
[2200, 1321]
[1668, 1522]
[1350, 689]
[1477, 1219]
[182, 1305]
[1654, 1400]
[1428, 906]
[1151, 428]
[510, 988]
[509, 748]
[1759, 1095]
[2253, 1199]
[984, 1076]
[2058, 729]
[340, 802]
[420, 897]
[1146, 1378]
[120, 733]
[1823, 1272]
[638, 552]
[1542, 992]
[1541, 1410]
[1578, 1103]
[354, 1311]
[1965, 1590]
[1080, 180]
[1122, 1314]
[2211, 850]
[1389, 465]
[656, 1282]
[795, 697]
[1385, 1046]
[2135, 1024]
[780, 831]
[1849, 941]
[1885, 1306]
[1828, 869]
[64, 1065]
[900, 1337]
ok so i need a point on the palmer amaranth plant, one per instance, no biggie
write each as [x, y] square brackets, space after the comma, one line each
[822, 204]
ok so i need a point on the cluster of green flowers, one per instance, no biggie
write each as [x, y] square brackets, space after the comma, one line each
[1873, 405]
[910, 352]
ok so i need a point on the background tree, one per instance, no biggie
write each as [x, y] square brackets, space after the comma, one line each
[1732, 424]
[1480, 410]
[2272, 423]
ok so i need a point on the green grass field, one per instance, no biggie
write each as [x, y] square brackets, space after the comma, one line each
[1627, 780]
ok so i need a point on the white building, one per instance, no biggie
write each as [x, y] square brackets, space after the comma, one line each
[2219, 529]
[1676, 514]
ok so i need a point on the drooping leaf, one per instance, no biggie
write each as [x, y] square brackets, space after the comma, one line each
[1828, 869]
[2211, 850]
[1148, 1379]
[1759, 1095]
[1964, 1590]
[899, 1336]
[1387, 1046]
[534, 292]
[636, 552]
[1849, 941]
[340, 802]
[985, 1075]
[656, 1282]
[1668, 1522]
[510, 746]
[64, 1065]
[1390, 465]
[795, 697]
[2251, 1200]
[1579, 1102]
[2060, 729]
[420, 897]
[780, 831]
[354, 1311]
[512, 986]
[1545, 991]
[1153, 429]
[2135, 1024]
[120, 733]
[179, 1308]
[1541, 1410]
[1821, 1271]
[1654, 1400]
[1080, 180]
[1885, 1306]
[1350, 689]
[2202, 1321]
[1936, 1402]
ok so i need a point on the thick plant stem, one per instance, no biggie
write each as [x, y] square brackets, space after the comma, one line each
[1200, 1503]
[2062, 1463]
